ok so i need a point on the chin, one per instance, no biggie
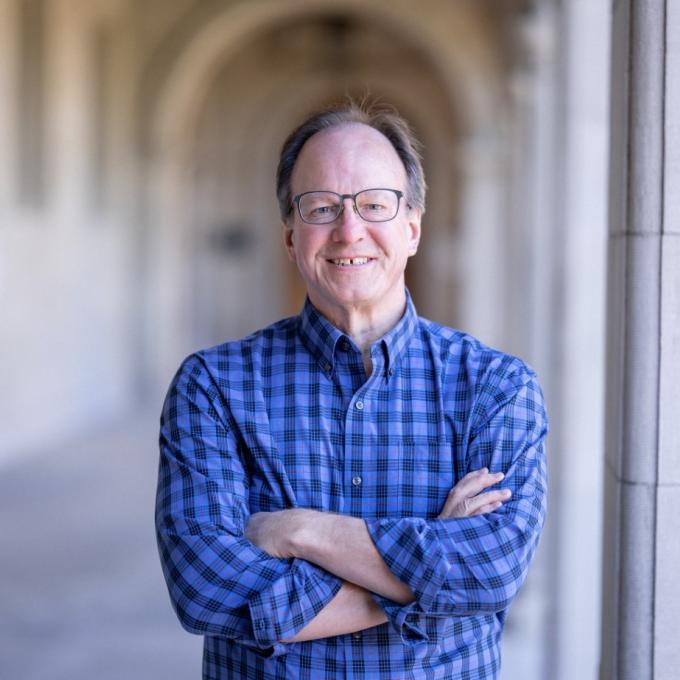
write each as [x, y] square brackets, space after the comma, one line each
[354, 297]
[337, 299]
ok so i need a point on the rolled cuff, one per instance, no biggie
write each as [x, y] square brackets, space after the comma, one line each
[414, 554]
[289, 604]
[413, 626]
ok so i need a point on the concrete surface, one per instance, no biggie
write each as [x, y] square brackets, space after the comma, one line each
[81, 590]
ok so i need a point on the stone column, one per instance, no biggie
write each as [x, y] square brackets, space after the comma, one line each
[641, 605]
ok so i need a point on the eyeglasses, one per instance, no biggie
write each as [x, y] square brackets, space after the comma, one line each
[372, 205]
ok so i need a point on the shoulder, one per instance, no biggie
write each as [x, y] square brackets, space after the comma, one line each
[237, 354]
[462, 353]
[210, 378]
[484, 377]
[231, 360]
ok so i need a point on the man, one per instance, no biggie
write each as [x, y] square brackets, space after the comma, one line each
[356, 491]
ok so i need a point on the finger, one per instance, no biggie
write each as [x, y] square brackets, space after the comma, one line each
[474, 504]
[467, 507]
[470, 484]
[490, 497]
[475, 482]
[496, 496]
[486, 509]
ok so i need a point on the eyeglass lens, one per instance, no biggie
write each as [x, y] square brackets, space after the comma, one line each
[373, 205]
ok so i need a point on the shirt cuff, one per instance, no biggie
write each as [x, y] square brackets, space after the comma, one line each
[413, 552]
[411, 623]
[283, 609]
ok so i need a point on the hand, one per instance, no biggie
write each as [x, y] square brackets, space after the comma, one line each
[466, 498]
[274, 532]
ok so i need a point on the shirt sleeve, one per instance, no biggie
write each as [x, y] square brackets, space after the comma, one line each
[220, 583]
[475, 565]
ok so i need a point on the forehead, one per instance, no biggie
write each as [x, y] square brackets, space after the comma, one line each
[346, 159]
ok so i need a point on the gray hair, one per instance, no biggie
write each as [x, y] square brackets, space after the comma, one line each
[382, 118]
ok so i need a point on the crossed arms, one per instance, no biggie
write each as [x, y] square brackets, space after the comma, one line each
[342, 546]
[298, 574]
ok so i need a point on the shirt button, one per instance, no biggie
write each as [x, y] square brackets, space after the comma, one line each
[359, 406]
[327, 368]
[356, 480]
[357, 635]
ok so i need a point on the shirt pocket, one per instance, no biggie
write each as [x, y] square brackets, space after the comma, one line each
[428, 473]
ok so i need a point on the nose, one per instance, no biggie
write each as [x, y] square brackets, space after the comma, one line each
[348, 227]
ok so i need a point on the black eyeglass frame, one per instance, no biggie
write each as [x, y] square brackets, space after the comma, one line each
[342, 197]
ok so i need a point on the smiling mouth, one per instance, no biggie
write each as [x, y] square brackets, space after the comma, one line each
[349, 261]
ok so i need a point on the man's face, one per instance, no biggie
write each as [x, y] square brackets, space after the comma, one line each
[348, 159]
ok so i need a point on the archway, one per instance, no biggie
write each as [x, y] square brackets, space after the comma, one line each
[231, 77]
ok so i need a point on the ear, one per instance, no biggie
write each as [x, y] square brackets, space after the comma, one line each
[415, 215]
[288, 241]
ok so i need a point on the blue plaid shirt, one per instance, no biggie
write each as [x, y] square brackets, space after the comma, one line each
[287, 418]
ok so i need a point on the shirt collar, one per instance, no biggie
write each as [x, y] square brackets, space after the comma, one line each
[321, 337]
[396, 341]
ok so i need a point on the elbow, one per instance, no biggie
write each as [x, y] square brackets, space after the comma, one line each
[499, 582]
[501, 589]
[478, 595]
[191, 616]
[491, 601]
[199, 613]
[499, 601]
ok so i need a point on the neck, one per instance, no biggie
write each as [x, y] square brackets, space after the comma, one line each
[365, 324]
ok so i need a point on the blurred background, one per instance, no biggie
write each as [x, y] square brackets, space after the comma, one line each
[138, 222]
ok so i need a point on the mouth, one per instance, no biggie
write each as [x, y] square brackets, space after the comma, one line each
[350, 261]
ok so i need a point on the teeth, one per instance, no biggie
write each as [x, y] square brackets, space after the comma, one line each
[349, 261]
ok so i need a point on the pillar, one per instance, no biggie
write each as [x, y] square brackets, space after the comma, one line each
[641, 601]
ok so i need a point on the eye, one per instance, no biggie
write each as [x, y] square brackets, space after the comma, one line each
[372, 207]
[377, 205]
[322, 210]
[319, 206]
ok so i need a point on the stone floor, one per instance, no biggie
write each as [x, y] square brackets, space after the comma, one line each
[81, 591]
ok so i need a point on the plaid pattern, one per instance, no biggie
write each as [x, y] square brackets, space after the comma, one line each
[286, 417]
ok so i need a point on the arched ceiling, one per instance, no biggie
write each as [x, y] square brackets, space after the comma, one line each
[457, 44]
